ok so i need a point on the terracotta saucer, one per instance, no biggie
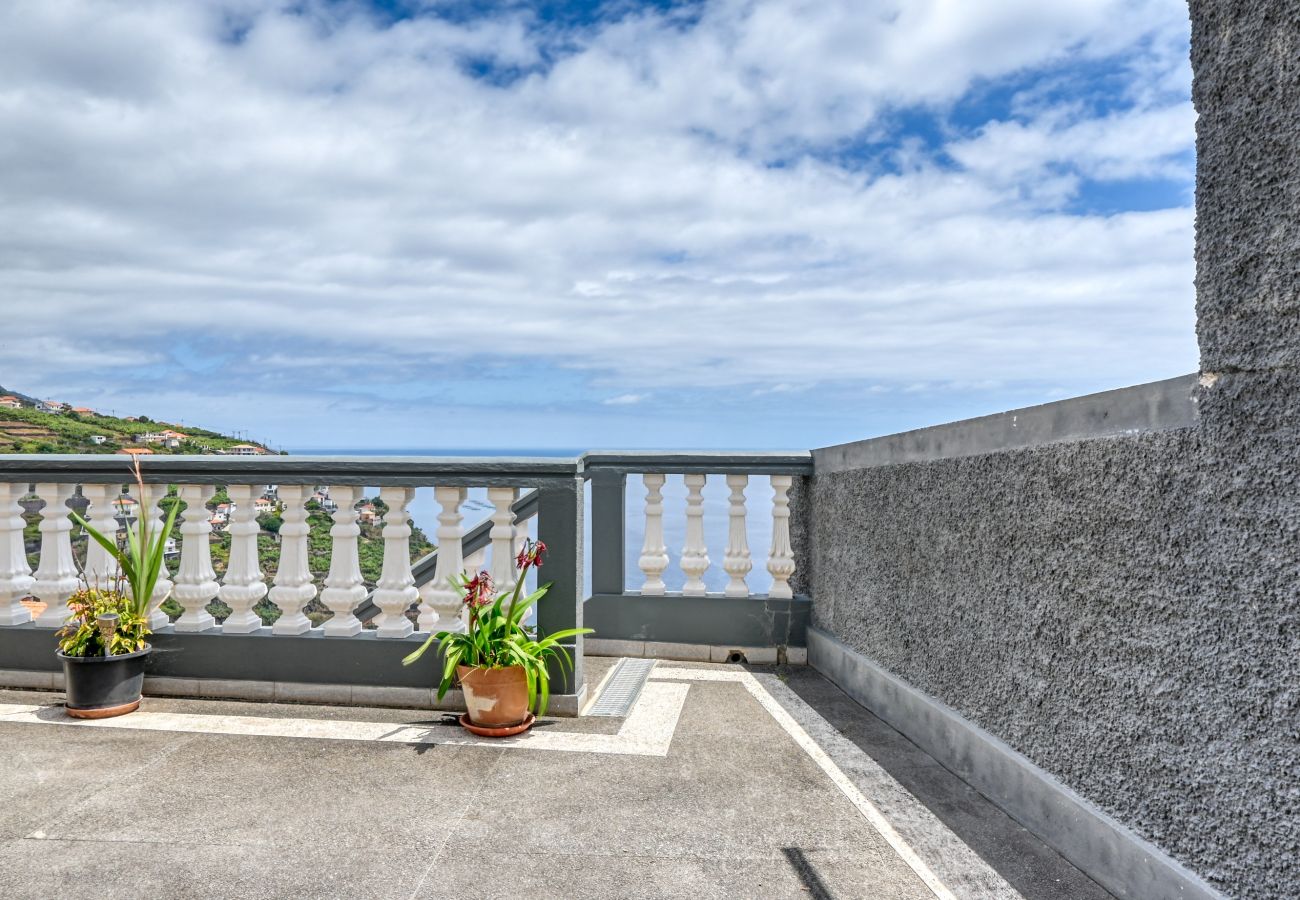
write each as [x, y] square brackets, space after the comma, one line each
[104, 712]
[496, 730]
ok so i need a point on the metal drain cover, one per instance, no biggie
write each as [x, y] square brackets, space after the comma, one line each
[622, 687]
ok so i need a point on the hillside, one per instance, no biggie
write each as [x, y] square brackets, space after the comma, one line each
[28, 430]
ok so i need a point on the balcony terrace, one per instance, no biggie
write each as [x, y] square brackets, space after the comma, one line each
[1050, 653]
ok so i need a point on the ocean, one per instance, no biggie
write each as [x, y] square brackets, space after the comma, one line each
[424, 512]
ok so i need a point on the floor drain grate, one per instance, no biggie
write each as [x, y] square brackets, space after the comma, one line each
[622, 687]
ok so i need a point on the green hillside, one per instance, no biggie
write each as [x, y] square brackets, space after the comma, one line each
[27, 430]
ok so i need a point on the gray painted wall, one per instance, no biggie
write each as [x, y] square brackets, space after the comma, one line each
[1122, 606]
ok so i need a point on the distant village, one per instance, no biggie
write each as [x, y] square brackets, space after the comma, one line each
[142, 443]
[268, 503]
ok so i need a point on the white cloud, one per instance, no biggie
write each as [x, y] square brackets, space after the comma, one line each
[624, 400]
[332, 201]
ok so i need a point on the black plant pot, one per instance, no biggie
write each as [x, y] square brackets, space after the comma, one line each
[98, 687]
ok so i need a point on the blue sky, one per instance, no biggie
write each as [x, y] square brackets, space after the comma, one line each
[592, 224]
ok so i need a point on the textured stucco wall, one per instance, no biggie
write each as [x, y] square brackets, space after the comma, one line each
[1246, 60]
[1073, 601]
[1125, 611]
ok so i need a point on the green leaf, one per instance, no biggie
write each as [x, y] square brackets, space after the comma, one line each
[414, 655]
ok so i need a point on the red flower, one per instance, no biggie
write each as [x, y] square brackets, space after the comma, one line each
[479, 590]
[531, 555]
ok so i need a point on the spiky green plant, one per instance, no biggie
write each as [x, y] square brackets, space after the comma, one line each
[141, 560]
[497, 637]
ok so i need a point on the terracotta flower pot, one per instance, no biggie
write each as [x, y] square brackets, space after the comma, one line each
[495, 697]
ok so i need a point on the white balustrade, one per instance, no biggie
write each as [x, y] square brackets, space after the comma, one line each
[736, 562]
[503, 538]
[695, 556]
[151, 504]
[293, 588]
[344, 587]
[196, 582]
[440, 595]
[396, 591]
[101, 568]
[56, 577]
[654, 555]
[780, 560]
[15, 575]
[244, 583]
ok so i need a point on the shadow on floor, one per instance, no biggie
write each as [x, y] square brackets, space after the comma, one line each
[816, 888]
[1033, 868]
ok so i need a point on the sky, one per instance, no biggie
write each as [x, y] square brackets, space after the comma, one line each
[539, 224]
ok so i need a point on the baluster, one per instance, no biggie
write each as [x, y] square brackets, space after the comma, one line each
[780, 561]
[477, 561]
[344, 587]
[695, 556]
[101, 569]
[654, 555]
[154, 495]
[396, 589]
[243, 585]
[736, 561]
[520, 540]
[441, 598]
[293, 588]
[15, 575]
[503, 539]
[196, 582]
[56, 573]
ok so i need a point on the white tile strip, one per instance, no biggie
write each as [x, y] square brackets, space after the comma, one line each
[648, 731]
[948, 867]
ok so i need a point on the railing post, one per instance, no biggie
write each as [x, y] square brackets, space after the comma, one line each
[244, 584]
[293, 588]
[441, 606]
[736, 562]
[695, 554]
[396, 591]
[502, 536]
[101, 569]
[152, 504]
[780, 560]
[608, 531]
[344, 588]
[654, 555]
[15, 575]
[559, 526]
[196, 581]
[56, 570]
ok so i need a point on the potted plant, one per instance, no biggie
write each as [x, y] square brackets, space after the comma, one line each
[500, 663]
[103, 647]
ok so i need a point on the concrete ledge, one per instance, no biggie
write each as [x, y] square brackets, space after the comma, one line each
[307, 668]
[298, 692]
[1158, 406]
[758, 656]
[1104, 849]
[712, 620]
[290, 692]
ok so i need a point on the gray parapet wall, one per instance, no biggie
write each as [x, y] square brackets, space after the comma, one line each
[1158, 406]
